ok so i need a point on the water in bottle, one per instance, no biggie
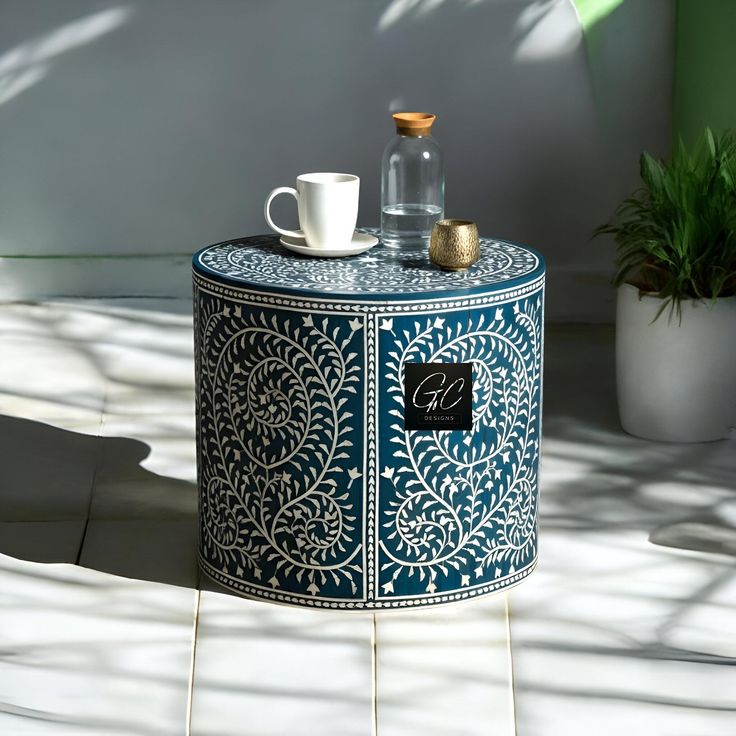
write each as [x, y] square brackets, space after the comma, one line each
[412, 182]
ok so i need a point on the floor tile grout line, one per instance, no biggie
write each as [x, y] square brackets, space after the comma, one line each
[192, 663]
[374, 686]
[93, 480]
[512, 683]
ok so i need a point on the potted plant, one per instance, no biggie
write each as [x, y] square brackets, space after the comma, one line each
[676, 309]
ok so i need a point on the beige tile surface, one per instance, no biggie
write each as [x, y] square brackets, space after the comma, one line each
[46, 472]
[157, 550]
[626, 626]
[84, 652]
[601, 642]
[42, 541]
[267, 669]
[57, 374]
[146, 468]
[445, 671]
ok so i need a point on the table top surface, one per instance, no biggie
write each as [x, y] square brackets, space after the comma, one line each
[261, 263]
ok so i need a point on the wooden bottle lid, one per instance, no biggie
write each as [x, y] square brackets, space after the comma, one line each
[414, 123]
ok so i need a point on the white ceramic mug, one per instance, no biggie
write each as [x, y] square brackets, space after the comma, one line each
[328, 209]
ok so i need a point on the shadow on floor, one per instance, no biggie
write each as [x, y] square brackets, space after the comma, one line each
[136, 524]
[596, 477]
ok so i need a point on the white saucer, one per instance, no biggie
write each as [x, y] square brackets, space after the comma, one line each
[360, 243]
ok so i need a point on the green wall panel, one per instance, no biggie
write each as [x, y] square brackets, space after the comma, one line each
[705, 92]
[592, 11]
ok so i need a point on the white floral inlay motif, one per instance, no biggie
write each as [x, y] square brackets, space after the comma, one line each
[279, 467]
[454, 512]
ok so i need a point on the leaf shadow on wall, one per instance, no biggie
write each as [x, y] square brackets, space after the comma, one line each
[195, 111]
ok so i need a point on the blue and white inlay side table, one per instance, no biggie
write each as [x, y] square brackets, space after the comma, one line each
[311, 491]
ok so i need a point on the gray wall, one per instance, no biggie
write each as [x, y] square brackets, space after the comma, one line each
[157, 126]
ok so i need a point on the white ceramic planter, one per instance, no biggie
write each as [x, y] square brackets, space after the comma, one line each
[676, 381]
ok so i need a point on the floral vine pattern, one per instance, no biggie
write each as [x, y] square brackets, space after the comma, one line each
[280, 467]
[311, 492]
[458, 509]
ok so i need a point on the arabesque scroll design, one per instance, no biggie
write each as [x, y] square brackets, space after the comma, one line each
[464, 510]
[279, 469]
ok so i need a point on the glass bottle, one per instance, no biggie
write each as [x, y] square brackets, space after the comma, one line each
[412, 182]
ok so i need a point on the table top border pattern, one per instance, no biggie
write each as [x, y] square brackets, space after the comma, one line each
[245, 294]
[272, 269]
[364, 605]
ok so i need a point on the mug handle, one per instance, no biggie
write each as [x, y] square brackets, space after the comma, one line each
[267, 213]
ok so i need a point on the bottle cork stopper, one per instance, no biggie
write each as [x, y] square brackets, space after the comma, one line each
[414, 123]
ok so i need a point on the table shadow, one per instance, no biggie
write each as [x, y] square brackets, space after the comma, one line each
[69, 497]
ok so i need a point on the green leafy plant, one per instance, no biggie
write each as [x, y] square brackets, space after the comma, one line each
[676, 235]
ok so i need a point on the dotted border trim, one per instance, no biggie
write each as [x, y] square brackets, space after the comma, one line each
[246, 295]
[371, 439]
[248, 591]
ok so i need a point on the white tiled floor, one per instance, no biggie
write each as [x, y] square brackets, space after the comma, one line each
[265, 669]
[628, 625]
[84, 652]
[445, 671]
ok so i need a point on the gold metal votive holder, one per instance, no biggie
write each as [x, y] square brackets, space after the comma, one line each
[454, 245]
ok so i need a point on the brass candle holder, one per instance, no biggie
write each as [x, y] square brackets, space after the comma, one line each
[454, 245]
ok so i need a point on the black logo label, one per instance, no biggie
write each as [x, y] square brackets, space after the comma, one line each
[438, 396]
